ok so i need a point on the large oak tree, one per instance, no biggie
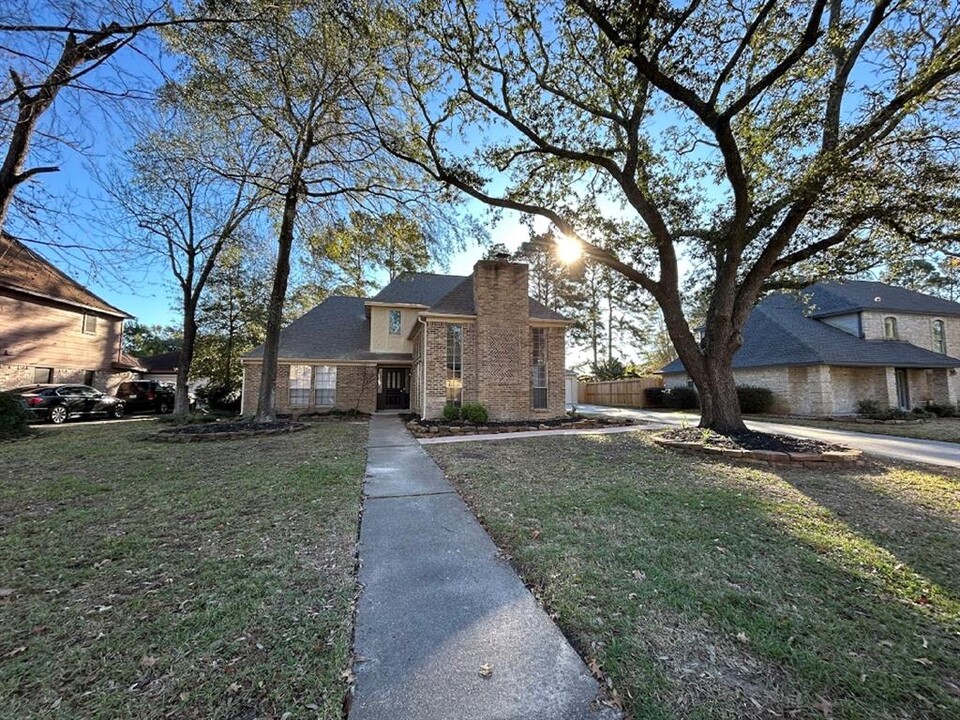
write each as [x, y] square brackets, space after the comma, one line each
[732, 143]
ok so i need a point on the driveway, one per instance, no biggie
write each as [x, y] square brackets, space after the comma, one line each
[931, 452]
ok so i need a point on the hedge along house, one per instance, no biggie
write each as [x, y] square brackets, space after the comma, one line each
[424, 342]
[836, 344]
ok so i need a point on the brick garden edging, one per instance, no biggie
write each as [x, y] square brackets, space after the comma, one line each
[172, 436]
[425, 431]
[829, 459]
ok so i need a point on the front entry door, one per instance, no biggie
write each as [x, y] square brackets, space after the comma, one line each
[903, 389]
[393, 389]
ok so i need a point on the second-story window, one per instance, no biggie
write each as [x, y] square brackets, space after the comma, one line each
[395, 322]
[90, 324]
[939, 337]
[890, 329]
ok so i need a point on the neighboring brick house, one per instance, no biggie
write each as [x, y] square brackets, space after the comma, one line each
[835, 344]
[54, 330]
[423, 342]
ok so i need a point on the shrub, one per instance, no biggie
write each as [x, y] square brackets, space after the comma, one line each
[941, 410]
[872, 410]
[451, 412]
[474, 412]
[681, 398]
[653, 397]
[13, 417]
[219, 396]
[754, 399]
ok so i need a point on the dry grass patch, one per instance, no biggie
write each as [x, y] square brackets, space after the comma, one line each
[942, 429]
[189, 581]
[709, 590]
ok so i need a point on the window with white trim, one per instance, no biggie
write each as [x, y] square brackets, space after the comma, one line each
[890, 328]
[538, 368]
[939, 337]
[89, 324]
[454, 380]
[324, 385]
[299, 385]
[396, 321]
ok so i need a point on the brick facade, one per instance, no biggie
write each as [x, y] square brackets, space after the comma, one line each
[356, 389]
[497, 350]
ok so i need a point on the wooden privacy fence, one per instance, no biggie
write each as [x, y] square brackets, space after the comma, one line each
[625, 393]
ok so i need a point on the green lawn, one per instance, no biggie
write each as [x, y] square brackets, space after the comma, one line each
[706, 590]
[942, 429]
[200, 580]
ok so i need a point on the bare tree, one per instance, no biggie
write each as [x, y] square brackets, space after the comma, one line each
[184, 210]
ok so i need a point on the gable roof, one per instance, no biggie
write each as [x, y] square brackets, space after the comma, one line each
[778, 333]
[164, 362]
[459, 301]
[835, 298]
[25, 271]
[413, 288]
[336, 329]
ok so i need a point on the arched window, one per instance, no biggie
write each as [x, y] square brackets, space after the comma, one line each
[890, 328]
[939, 337]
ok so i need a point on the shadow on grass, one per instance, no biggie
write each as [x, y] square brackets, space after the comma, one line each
[717, 591]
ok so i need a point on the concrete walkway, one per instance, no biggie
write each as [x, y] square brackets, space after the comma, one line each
[931, 452]
[438, 604]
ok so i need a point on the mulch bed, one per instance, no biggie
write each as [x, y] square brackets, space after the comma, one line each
[760, 448]
[226, 430]
[443, 428]
[750, 440]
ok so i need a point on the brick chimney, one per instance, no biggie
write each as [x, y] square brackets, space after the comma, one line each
[500, 297]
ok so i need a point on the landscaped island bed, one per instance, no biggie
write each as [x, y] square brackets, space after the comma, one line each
[188, 581]
[704, 589]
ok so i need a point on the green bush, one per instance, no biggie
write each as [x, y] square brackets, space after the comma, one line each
[681, 398]
[474, 412]
[872, 410]
[654, 397]
[13, 417]
[754, 399]
[451, 412]
[941, 410]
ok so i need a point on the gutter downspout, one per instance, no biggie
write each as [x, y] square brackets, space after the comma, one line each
[423, 368]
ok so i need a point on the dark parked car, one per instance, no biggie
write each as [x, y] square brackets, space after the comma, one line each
[57, 403]
[146, 396]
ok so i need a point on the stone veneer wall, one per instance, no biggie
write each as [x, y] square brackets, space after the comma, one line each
[356, 388]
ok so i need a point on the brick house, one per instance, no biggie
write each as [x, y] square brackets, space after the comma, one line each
[835, 344]
[423, 342]
[54, 330]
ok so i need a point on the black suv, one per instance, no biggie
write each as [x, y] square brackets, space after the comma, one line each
[146, 396]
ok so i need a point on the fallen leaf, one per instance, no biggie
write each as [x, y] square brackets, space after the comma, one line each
[486, 670]
[535, 535]
[148, 661]
[825, 707]
[233, 687]
[743, 637]
[595, 668]
[927, 662]
[16, 651]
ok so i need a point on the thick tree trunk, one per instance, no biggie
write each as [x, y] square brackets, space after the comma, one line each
[719, 405]
[267, 399]
[181, 400]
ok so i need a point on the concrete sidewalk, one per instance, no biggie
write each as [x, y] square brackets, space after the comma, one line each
[438, 603]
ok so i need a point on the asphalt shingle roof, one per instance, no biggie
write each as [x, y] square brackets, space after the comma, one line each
[24, 270]
[339, 329]
[418, 288]
[778, 332]
[833, 298]
[459, 301]
[336, 329]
